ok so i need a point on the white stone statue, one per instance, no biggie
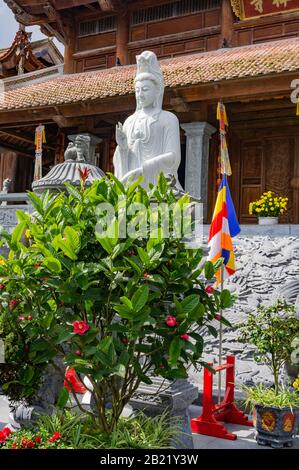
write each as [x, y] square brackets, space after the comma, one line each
[149, 140]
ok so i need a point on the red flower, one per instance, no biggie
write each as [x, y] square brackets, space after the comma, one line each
[12, 304]
[184, 336]
[146, 275]
[30, 444]
[2, 286]
[14, 445]
[56, 436]
[217, 317]
[37, 265]
[80, 327]
[24, 442]
[209, 289]
[84, 174]
[29, 317]
[171, 321]
[22, 318]
[7, 432]
[2, 437]
[78, 352]
[38, 439]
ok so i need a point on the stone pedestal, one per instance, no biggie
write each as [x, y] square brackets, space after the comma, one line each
[197, 160]
[175, 396]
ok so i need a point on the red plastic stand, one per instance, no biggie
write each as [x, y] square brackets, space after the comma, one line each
[72, 383]
[211, 420]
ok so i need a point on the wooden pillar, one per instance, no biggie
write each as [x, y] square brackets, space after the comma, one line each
[59, 151]
[69, 49]
[122, 37]
[227, 24]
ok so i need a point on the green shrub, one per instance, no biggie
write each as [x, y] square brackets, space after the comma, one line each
[102, 304]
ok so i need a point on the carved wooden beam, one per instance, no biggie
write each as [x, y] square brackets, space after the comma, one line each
[21, 15]
[110, 5]
[63, 29]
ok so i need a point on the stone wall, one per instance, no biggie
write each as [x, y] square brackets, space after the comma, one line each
[267, 261]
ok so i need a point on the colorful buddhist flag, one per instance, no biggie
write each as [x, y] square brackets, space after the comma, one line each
[223, 122]
[224, 226]
[40, 139]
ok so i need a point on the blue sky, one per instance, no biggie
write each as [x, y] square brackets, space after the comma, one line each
[9, 27]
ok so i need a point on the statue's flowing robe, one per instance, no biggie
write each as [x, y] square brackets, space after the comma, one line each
[153, 146]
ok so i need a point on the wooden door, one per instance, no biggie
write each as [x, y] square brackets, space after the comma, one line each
[268, 164]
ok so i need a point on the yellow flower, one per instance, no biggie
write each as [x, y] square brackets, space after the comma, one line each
[28, 234]
[296, 384]
[272, 208]
[2, 262]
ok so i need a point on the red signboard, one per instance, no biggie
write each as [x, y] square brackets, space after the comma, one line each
[247, 9]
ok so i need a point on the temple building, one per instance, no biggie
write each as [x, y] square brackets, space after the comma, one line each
[243, 52]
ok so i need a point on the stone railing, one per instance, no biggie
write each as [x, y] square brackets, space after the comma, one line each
[9, 204]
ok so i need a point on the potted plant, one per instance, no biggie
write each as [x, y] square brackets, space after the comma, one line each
[272, 331]
[268, 208]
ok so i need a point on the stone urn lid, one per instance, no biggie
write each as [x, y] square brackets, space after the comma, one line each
[76, 157]
[67, 172]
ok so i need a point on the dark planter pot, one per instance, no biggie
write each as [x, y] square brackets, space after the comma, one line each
[275, 426]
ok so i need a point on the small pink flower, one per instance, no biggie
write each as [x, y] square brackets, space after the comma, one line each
[184, 336]
[218, 317]
[80, 327]
[171, 321]
[209, 289]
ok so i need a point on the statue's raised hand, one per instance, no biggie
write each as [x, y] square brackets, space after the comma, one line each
[121, 137]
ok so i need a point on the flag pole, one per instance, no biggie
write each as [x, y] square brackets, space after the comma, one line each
[220, 338]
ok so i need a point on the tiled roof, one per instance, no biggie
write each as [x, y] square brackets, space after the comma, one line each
[222, 64]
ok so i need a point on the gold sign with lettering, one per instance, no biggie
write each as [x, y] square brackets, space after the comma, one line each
[248, 9]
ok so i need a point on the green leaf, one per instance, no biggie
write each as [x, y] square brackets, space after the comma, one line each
[28, 375]
[72, 239]
[74, 192]
[225, 299]
[63, 336]
[124, 312]
[36, 202]
[143, 256]
[174, 350]
[18, 232]
[197, 314]
[162, 183]
[134, 185]
[140, 298]
[209, 270]
[127, 302]
[52, 264]
[190, 303]
[105, 242]
[120, 370]
[63, 398]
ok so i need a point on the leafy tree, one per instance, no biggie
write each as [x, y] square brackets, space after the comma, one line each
[272, 331]
[116, 310]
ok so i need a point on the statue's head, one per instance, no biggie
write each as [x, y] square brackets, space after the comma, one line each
[82, 143]
[149, 82]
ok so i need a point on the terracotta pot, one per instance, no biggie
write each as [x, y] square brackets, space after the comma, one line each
[268, 220]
